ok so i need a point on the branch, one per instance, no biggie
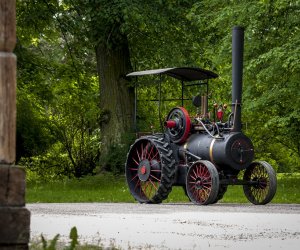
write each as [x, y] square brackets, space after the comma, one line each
[60, 25]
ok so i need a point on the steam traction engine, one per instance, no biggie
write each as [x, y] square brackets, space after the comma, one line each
[203, 155]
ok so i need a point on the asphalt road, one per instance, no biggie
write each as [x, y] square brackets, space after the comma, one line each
[171, 226]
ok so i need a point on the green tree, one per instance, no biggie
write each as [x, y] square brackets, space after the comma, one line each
[58, 118]
[73, 56]
[271, 69]
[125, 33]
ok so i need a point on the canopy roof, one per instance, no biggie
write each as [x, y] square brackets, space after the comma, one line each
[180, 73]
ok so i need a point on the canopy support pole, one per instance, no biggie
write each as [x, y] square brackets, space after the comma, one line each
[135, 106]
[182, 87]
[159, 103]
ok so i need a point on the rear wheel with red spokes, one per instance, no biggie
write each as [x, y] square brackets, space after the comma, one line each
[150, 169]
[202, 183]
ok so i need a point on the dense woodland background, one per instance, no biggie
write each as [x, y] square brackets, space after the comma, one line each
[75, 105]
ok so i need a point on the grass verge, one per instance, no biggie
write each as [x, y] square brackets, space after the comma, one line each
[109, 188]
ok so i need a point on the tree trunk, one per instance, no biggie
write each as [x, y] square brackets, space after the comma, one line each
[116, 95]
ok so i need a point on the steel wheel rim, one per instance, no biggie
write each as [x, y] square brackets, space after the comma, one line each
[143, 170]
[259, 191]
[199, 183]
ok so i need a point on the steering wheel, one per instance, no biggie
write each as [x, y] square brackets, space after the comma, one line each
[178, 125]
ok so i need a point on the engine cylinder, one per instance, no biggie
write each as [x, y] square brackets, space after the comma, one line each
[234, 150]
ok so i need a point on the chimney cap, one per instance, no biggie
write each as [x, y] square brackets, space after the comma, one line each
[238, 28]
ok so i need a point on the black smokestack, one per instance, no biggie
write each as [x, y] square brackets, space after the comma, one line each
[237, 75]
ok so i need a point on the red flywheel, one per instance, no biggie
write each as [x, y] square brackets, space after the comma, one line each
[178, 125]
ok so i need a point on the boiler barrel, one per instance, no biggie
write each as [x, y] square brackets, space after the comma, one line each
[235, 150]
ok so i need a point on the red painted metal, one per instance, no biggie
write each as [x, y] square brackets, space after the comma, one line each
[200, 182]
[220, 114]
[187, 124]
[170, 124]
[145, 189]
[143, 170]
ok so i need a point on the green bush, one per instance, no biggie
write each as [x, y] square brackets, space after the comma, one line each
[117, 154]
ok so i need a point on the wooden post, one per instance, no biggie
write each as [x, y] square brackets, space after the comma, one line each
[7, 81]
[14, 217]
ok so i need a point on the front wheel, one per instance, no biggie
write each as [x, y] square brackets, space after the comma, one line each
[262, 183]
[202, 183]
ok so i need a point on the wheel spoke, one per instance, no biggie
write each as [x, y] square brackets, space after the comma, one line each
[200, 195]
[195, 193]
[203, 170]
[142, 152]
[150, 192]
[137, 184]
[196, 175]
[135, 161]
[155, 170]
[137, 152]
[149, 152]
[145, 188]
[206, 173]
[193, 178]
[153, 185]
[263, 190]
[206, 178]
[146, 150]
[154, 156]
[134, 177]
[199, 183]
[155, 177]
[206, 186]
[144, 169]
[199, 170]
[205, 194]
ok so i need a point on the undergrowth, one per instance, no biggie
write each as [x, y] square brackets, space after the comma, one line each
[74, 244]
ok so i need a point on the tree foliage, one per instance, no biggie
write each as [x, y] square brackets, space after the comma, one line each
[57, 93]
[71, 52]
[271, 74]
